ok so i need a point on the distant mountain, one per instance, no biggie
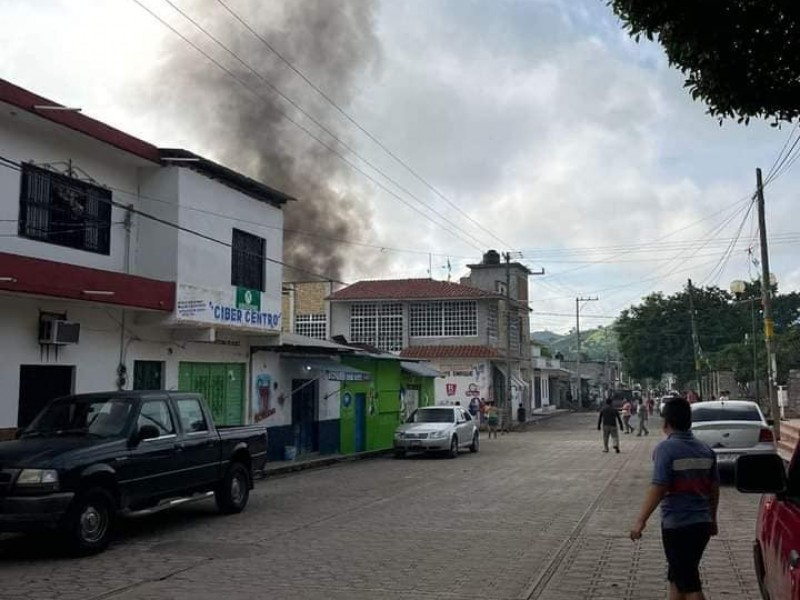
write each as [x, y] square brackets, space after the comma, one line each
[596, 344]
[545, 337]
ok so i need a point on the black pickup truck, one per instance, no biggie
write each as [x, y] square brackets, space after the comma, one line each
[89, 458]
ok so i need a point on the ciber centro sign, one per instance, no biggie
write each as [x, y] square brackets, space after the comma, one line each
[242, 309]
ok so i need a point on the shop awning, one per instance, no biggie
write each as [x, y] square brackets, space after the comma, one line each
[421, 369]
[334, 371]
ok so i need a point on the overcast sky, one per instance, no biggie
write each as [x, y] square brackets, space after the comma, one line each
[551, 129]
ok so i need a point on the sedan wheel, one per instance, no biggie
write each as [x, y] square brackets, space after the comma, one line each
[453, 447]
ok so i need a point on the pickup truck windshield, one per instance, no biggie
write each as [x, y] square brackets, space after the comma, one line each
[95, 416]
[432, 415]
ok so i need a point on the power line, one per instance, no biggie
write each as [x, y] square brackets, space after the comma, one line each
[9, 164]
[358, 125]
[310, 117]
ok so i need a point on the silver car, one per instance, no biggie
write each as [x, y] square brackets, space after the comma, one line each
[732, 428]
[437, 429]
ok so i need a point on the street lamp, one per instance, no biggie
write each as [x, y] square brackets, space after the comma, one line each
[739, 287]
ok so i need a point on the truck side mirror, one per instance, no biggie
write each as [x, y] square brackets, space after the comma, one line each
[146, 432]
[760, 474]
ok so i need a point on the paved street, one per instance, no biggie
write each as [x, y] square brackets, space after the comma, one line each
[541, 514]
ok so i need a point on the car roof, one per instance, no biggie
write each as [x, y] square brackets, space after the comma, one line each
[438, 407]
[726, 403]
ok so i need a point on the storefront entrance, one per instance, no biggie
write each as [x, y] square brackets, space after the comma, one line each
[305, 410]
[222, 385]
[38, 384]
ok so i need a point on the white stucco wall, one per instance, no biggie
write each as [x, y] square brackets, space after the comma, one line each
[466, 379]
[281, 372]
[25, 138]
[97, 355]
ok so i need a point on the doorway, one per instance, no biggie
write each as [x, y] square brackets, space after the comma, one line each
[361, 422]
[38, 384]
[305, 423]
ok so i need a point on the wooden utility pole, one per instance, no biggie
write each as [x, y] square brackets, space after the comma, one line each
[578, 301]
[766, 297]
[695, 341]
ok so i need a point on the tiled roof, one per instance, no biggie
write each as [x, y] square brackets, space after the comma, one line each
[431, 352]
[409, 289]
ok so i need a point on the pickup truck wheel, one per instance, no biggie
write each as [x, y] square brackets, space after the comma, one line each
[234, 491]
[399, 454]
[453, 448]
[89, 522]
[475, 445]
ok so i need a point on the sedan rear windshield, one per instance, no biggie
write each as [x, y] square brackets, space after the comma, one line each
[726, 413]
[432, 415]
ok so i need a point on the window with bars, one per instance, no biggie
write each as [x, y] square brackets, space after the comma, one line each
[62, 210]
[444, 319]
[315, 326]
[247, 260]
[491, 323]
[377, 324]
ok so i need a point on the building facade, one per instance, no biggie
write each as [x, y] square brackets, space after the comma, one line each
[470, 331]
[125, 266]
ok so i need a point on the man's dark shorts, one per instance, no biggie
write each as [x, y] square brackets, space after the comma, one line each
[684, 548]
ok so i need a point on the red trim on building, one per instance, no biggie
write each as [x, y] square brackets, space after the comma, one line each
[433, 352]
[25, 100]
[26, 275]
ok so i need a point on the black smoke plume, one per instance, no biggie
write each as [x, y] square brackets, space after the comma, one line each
[334, 43]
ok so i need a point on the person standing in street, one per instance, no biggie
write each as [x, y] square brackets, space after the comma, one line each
[686, 484]
[626, 417]
[522, 417]
[492, 419]
[608, 419]
[641, 414]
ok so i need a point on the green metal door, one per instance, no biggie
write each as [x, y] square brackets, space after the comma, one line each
[221, 384]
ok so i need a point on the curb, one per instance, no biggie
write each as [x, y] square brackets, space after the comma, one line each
[318, 463]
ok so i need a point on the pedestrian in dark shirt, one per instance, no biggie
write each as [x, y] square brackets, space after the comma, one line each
[686, 484]
[609, 419]
[522, 418]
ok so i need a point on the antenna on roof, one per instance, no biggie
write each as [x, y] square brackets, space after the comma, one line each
[430, 265]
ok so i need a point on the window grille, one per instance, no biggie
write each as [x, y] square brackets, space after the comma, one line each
[491, 323]
[444, 319]
[312, 325]
[379, 325]
[62, 210]
[247, 260]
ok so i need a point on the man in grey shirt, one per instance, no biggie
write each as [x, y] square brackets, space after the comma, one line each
[609, 419]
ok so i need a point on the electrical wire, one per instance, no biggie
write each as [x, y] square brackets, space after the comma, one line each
[18, 167]
[353, 121]
[297, 124]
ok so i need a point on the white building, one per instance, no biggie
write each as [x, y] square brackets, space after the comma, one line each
[123, 265]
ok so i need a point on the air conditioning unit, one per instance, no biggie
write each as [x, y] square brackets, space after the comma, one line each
[59, 333]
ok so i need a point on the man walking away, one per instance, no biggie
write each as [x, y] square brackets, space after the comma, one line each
[608, 419]
[522, 418]
[686, 484]
[492, 419]
[642, 416]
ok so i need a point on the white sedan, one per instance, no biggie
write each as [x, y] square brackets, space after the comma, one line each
[437, 428]
[732, 428]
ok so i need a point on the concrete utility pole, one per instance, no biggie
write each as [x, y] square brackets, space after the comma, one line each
[766, 296]
[578, 301]
[507, 408]
[695, 340]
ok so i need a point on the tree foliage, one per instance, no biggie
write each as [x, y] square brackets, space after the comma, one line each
[655, 337]
[740, 57]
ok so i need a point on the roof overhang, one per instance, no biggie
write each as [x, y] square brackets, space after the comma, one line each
[73, 119]
[176, 157]
[419, 368]
[329, 369]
